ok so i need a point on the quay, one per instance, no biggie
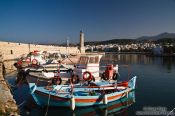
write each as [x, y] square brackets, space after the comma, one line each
[8, 105]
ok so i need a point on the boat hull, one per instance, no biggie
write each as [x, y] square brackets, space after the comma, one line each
[51, 97]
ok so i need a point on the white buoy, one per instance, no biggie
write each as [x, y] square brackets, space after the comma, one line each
[105, 99]
[72, 103]
[127, 94]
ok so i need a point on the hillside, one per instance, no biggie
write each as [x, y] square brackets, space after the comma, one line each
[160, 38]
[157, 37]
[113, 41]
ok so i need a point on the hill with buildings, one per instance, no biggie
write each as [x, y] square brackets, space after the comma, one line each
[163, 36]
[160, 38]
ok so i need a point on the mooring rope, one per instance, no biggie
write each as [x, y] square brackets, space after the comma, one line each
[48, 102]
[171, 112]
[14, 86]
[21, 104]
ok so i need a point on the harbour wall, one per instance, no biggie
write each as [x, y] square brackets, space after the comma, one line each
[8, 105]
[12, 50]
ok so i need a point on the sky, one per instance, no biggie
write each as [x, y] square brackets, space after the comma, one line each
[55, 21]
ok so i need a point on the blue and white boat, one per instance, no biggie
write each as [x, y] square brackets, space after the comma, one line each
[80, 95]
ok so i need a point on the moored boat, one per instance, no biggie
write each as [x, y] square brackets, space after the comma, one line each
[80, 95]
[87, 69]
[113, 108]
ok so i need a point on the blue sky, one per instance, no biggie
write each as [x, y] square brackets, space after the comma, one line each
[54, 21]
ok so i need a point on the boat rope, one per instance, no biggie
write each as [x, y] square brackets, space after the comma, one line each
[129, 72]
[14, 86]
[171, 112]
[71, 60]
[9, 86]
[72, 88]
[48, 102]
[21, 104]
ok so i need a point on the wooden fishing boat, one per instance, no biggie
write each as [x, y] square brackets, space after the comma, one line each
[88, 69]
[80, 95]
[116, 107]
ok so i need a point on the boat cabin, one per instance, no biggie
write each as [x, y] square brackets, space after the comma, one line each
[90, 63]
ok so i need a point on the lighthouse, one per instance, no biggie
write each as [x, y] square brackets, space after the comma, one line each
[82, 49]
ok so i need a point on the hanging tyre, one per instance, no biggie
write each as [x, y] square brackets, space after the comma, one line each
[103, 77]
[75, 79]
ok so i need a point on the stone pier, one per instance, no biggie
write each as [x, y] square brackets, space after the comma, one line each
[8, 105]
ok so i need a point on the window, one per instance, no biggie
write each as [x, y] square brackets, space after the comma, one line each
[94, 60]
[83, 60]
[11, 51]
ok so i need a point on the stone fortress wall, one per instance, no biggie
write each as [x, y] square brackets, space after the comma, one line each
[11, 50]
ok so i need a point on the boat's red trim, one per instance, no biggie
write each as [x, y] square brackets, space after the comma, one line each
[89, 100]
[78, 99]
[116, 96]
[99, 99]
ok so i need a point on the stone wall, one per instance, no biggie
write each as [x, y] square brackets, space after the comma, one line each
[11, 50]
[8, 105]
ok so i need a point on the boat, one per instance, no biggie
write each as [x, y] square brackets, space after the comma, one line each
[41, 64]
[45, 78]
[118, 107]
[78, 95]
[38, 61]
[91, 64]
[113, 108]
[87, 69]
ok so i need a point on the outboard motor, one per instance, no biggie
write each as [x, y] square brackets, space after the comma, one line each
[109, 71]
[108, 74]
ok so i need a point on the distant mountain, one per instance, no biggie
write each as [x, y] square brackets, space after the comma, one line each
[157, 37]
[163, 37]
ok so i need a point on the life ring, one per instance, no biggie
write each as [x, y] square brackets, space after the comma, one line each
[34, 61]
[115, 76]
[27, 60]
[56, 81]
[104, 77]
[74, 79]
[87, 76]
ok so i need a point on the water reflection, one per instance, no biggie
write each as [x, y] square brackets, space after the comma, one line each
[166, 62]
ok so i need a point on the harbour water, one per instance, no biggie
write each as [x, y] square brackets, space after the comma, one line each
[154, 92]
